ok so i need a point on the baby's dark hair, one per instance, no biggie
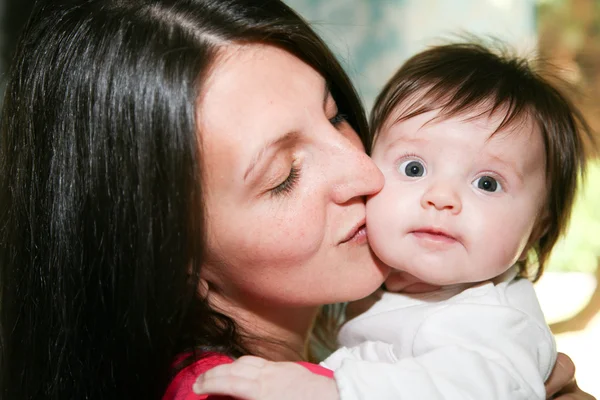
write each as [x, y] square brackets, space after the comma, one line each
[461, 77]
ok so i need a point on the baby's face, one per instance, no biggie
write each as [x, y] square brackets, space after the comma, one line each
[459, 204]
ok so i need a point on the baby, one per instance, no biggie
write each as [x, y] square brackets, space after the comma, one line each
[481, 158]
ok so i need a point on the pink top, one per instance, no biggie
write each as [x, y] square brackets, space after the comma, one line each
[180, 387]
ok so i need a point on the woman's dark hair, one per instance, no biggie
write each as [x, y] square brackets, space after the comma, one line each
[14, 17]
[460, 78]
[101, 211]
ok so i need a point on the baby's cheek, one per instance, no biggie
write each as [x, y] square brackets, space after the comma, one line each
[382, 228]
[510, 238]
[376, 211]
[388, 209]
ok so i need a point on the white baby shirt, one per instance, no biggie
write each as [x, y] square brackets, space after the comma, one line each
[486, 342]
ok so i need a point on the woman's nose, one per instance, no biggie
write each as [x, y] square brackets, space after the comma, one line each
[358, 176]
[442, 196]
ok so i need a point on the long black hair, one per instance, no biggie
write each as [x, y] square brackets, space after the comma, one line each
[14, 16]
[101, 211]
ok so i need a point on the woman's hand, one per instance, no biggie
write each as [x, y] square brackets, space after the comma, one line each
[254, 378]
[561, 385]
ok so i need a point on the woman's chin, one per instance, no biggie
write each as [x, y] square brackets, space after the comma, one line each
[369, 283]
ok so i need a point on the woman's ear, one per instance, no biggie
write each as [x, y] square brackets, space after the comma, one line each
[203, 288]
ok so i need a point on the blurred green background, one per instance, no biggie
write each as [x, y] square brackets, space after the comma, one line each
[569, 35]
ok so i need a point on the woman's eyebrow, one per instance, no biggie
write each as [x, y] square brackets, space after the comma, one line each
[326, 94]
[276, 142]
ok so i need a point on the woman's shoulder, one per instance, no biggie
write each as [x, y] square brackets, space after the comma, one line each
[180, 387]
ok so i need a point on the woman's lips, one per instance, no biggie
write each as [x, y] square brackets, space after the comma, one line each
[357, 235]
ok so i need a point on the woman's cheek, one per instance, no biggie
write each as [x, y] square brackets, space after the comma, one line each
[297, 237]
[282, 235]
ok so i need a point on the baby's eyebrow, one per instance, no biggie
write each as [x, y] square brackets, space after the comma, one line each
[508, 165]
[401, 139]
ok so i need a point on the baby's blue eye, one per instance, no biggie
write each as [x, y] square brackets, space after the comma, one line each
[488, 184]
[412, 168]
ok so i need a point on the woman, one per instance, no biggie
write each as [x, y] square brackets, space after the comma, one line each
[177, 176]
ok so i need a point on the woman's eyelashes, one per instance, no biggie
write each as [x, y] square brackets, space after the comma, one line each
[291, 180]
[338, 119]
[288, 184]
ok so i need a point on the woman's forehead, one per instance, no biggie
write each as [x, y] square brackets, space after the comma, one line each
[254, 79]
[253, 95]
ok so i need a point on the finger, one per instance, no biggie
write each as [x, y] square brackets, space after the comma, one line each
[235, 369]
[562, 375]
[252, 360]
[570, 387]
[573, 392]
[242, 388]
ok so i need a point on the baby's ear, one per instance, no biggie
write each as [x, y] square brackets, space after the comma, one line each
[540, 228]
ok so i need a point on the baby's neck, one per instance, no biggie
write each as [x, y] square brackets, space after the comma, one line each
[422, 287]
[403, 282]
[400, 281]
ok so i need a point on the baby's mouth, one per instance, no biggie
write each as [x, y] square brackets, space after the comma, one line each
[433, 234]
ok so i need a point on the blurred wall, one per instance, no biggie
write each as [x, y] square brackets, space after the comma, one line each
[373, 37]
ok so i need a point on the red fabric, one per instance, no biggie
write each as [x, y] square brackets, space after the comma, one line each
[317, 369]
[180, 387]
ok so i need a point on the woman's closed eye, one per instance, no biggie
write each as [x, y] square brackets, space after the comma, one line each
[293, 177]
[338, 119]
[288, 184]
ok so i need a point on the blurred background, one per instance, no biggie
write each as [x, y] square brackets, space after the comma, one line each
[373, 37]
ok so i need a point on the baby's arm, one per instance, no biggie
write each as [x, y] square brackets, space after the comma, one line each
[253, 378]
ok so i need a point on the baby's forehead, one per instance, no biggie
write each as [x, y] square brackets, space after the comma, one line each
[410, 119]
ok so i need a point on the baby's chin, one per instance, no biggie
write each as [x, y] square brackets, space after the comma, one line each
[417, 287]
[416, 279]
